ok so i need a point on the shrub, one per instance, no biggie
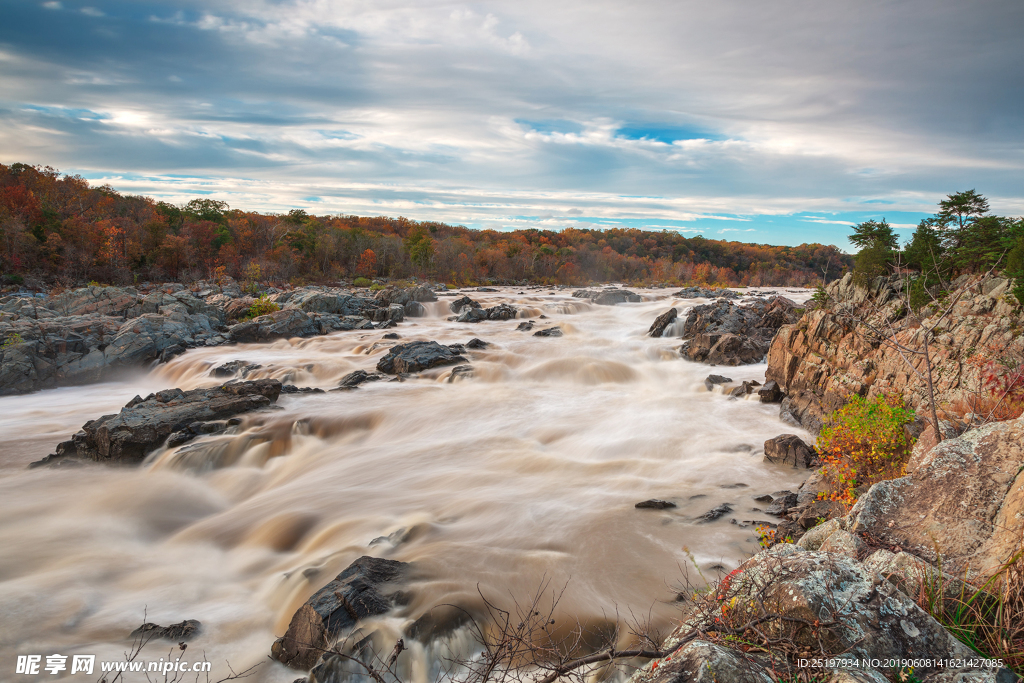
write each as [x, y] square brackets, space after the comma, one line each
[376, 287]
[864, 442]
[361, 282]
[12, 340]
[262, 306]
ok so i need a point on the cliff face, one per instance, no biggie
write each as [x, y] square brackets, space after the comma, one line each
[831, 353]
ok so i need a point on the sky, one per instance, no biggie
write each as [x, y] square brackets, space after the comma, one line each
[767, 121]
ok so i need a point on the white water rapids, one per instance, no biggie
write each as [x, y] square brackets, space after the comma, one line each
[528, 470]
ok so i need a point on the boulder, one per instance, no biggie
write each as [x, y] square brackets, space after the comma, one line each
[723, 333]
[183, 631]
[457, 305]
[549, 332]
[283, 324]
[705, 293]
[789, 449]
[502, 312]
[524, 326]
[711, 381]
[336, 302]
[95, 299]
[403, 295]
[417, 356]
[469, 314]
[357, 377]
[770, 392]
[460, 372]
[414, 309]
[475, 343]
[701, 661]
[608, 297]
[364, 589]
[964, 498]
[714, 513]
[235, 368]
[660, 323]
[143, 424]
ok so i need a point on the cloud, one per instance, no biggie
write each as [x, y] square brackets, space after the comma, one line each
[508, 112]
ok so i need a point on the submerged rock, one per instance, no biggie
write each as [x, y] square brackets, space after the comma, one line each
[357, 377]
[655, 504]
[366, 588]
[711, 381]
[549, 332]
[182, 631]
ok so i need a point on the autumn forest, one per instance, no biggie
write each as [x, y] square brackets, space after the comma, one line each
[55, 228]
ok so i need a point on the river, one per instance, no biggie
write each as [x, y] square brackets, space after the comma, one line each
[527, 472]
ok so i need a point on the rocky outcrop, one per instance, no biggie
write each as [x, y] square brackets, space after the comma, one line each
[472, 313]
[403, 295]
[657, 328]
[145, 423]
[183, 631]
[367, 587]
[457, 305]
[723, 333]
[964, 498]
[417, 356]
[826, 356]
[91, 334]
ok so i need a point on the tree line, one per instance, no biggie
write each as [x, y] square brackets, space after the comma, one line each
[58, 227]
[962, 237]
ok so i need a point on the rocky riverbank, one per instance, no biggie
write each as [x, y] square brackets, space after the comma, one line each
[94, 333]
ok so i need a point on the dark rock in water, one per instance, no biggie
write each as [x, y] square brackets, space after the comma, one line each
[414, 309]
[390, 335]
[789, 449]
[525, 326]
[475, 343]
[486, 289]
[711, 381]
[766, 498]
[385, 325]
[549, 332]
[357, 377]
[235, 367]
[440, 622]
[198, 429]
[746, 388]
[183, 631]
[142, 425]
[417, 356]
[364, 589]
[457, 305]
[469, 314]
[714, 513]
[502, 312]
[460, 372]
[661, 322]
[738, 485]
[723, 333]
[292, 389]
[655, 504]
[770, 392]
[782, 501]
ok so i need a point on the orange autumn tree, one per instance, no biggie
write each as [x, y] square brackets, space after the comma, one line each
[367, 265]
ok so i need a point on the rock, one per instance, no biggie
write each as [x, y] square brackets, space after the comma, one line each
[770, 392]
[782, 501]
[99, 300]
[182, 631]
[817, 535]
[460, 372]
[711, 381]
[705, 293]
[293, 389]
[662, 322]
[502, 312]
[744, 389]
[333, 301]
[789, 449]
[460, 303]
[286, 323]
[818, 510]
[235, 367]
[549, 332]
[655, 504]
[843, 543]
[875, 620]
[143, 424]
[723, 333]
[414, 309]
[714, 513]
[357, 377]
[416, 356]
[608, 297]
[475, 343]
[402, 296]
[525, 326]
[700, 661]
[469, 314]
[964, 498]
[362, 590]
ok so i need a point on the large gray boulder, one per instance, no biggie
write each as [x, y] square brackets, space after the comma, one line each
[332, 301]
[661, 322]
[403, 295]
[144, 423]
[416, 356]
[286, 323]
[789, 449]
[723, 333]
[365, 588]
[95, 299]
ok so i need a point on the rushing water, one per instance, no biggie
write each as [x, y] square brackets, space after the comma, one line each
[528, 471]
